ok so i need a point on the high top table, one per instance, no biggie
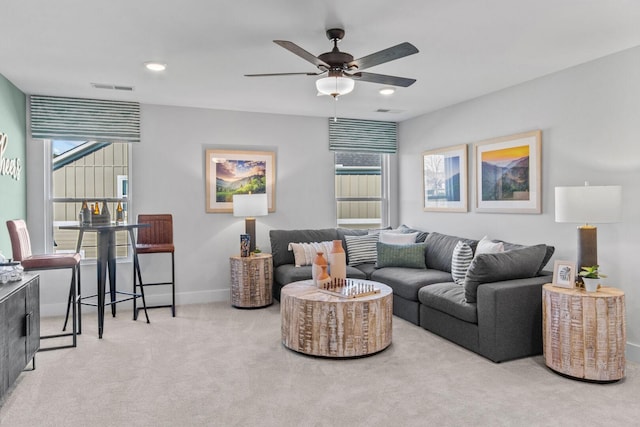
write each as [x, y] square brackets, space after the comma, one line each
[106, 261]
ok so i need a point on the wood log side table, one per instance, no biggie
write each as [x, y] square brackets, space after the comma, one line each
[584, 333]
[320, 324]
[251, 281]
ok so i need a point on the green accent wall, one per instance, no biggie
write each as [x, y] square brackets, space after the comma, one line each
[13, 192]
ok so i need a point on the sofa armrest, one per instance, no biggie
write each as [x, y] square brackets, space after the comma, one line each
[510, 318]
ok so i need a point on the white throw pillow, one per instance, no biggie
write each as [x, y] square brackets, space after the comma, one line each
[305, 253]
[398, 238]
[487, 246]
[460, 261]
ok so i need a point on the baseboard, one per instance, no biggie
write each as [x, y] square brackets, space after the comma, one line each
[633, 352]
[182, 298]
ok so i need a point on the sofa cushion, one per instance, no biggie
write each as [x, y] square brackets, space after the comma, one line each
[406, 282]
[392, 255]
[361, 249]
[449, 298]
[440, 250]
[460, 261]
[280, 240]
[366, 268]
[547, 256]
[305, 253]
[509, 265]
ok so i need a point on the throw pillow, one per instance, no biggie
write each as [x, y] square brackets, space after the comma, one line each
[392, 255]
[487, 246]
[392, 238]
[362, 249]
[514, 264]
[460, 261]
[305, 253]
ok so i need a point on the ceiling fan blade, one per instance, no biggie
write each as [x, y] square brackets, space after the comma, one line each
[382, 79]
[283, 74]
[395, 52]
[294, 48]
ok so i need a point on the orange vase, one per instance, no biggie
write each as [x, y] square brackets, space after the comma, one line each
[324, 280]
[316, 267]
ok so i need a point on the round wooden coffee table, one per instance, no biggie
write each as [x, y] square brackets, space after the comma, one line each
[320, 324]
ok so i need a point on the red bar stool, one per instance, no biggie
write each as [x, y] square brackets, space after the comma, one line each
[156, 239]
[21, 247]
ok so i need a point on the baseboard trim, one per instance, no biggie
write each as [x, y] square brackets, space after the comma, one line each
[633, 352]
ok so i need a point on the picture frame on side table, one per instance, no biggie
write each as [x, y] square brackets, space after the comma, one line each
[229, 172]
[564, 274]
[508, 174]
[444, 179]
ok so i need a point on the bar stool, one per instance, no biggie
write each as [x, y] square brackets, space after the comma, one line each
[21, 247]
[156, 239]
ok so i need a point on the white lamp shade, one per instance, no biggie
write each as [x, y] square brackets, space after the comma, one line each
[335, 86]
[589, 204]
[250, 205]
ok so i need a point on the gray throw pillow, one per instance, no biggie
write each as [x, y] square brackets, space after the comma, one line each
[509, 265]
[410, 256]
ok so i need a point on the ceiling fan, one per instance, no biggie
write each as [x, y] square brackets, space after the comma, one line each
[341, 69]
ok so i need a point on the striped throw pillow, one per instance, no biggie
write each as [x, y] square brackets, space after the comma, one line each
[362, 249]
[460, 261]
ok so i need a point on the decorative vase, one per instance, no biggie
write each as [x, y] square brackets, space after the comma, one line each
[324, 280]
[590, 285]
[338, 263]
[316, 267]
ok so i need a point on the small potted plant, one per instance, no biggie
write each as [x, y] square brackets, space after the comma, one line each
[591, 277]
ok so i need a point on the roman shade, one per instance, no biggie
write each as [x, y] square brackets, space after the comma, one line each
[84, 119]
[363, 136]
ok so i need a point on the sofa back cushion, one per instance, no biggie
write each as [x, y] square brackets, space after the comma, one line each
[440, 250]
[280, 240]
[509, 265]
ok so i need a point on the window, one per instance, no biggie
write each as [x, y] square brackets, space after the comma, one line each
[361, 189]
[89, 171]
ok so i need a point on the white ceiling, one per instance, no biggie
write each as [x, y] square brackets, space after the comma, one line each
[467, 48]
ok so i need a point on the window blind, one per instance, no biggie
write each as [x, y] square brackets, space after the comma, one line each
[364, 136]
[84, 119]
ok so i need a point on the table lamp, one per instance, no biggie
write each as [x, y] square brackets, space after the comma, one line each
[250, 206]
[588, 205]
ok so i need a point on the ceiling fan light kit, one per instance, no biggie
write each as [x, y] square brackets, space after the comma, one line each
[342, 69]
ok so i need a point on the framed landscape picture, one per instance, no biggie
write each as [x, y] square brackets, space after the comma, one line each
[444, 179]
[564, 274]
[230, 172]
[508, 174]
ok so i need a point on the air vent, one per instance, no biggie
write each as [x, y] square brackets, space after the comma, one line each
[386, 110]
[111, 87]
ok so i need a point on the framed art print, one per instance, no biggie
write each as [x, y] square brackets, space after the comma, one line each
[444, 179]
[508, 174]
[230, 172]
[564, 274]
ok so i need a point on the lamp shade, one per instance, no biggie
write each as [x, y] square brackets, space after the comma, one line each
[335, 86]
[250, 205]
[588, 204]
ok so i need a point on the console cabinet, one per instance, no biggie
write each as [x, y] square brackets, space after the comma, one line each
[19, 327]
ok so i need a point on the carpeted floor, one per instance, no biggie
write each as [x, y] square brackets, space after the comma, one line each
[215, 365]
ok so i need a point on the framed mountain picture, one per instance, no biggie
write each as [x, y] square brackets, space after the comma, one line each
[230, 172]
[508, 174]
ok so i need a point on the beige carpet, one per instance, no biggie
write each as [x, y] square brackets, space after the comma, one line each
[214, 365]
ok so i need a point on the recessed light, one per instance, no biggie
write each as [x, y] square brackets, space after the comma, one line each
[155, 66]
[387, 91]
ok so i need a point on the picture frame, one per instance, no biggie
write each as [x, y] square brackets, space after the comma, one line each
[508, 175]
[229, 172]
[444, 179]
[564, 274]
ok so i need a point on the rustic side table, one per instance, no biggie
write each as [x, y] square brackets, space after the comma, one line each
[251, 281]
[584, 333]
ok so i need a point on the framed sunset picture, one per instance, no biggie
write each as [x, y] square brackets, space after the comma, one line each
[230, 172]
[508, 174]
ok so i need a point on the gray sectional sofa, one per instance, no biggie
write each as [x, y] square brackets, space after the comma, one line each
[495, 311]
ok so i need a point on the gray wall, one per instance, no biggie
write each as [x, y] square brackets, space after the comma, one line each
[590, 129]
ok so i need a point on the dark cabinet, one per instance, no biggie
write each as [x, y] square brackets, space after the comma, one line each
[19, 327]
